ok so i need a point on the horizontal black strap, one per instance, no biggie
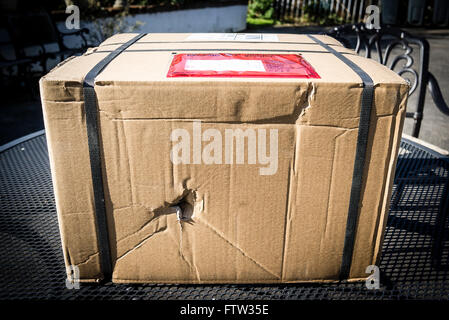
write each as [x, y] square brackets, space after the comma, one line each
[223, 50]
[216, 41]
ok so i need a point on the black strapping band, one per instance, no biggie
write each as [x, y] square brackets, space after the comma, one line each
[360, 156]
[90, 107]
[222, 50]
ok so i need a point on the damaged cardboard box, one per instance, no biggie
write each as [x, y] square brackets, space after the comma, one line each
[222, 158]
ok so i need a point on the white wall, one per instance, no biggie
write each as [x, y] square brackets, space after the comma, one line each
[218, 19]
[214, 19]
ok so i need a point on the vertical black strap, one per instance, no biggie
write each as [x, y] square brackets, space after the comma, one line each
[360, 156]
[90, 107]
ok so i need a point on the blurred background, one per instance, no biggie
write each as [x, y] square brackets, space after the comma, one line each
[36, 36]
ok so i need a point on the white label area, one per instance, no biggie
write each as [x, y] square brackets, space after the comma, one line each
[224, 65]
[246, 37]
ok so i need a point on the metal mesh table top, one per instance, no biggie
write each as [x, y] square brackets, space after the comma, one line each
[414, 263]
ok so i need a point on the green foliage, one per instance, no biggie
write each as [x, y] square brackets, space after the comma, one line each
[253, 23]
[311, 17]
[260, 9]
[159, 2]
[92, 5]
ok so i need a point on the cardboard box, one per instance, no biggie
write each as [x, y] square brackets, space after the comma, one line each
[185, 200]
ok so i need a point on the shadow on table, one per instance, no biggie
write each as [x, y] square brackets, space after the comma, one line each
[416, 244]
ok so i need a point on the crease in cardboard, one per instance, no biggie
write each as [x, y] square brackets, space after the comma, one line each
[131, 174]
[191, 264]
[323, 237]
[152, 219]
[172, 167]
[240, 250]
[397, 122]
[304, 102]
[310, 96]
[291, 191]
[89, 257]
[180, 250]
[77, 213]
[287, 213]
[381, 222]
[187, 200]
[186, 203]
[71, 261]
[197, 272]
[158, 229]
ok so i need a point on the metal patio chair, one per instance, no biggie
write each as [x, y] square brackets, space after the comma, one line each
[36, 29]
[389, 46]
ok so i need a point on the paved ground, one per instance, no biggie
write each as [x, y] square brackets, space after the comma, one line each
[20, 115]
[435, 127]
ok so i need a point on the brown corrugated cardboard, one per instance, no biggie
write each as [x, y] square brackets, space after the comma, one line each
[287, 225]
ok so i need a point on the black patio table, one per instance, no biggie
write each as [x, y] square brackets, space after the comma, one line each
[414, 263]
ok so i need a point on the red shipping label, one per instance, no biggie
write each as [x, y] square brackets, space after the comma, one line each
[241, 65]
